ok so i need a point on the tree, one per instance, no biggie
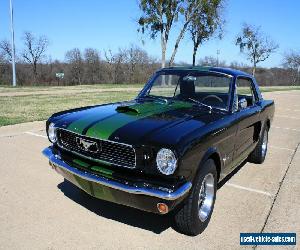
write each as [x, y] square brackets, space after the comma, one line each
[211, 61]
[92, 65]
[136, 58]
[115, 63]
[34, 49]
[206, 23]
[291, 61]
[255, 45]
[6, 51]
[74, 58]
[189, 10]
[158, 17]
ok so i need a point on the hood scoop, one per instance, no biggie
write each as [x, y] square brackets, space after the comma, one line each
[128, 109]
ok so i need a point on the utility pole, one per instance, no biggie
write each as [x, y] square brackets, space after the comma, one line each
[298, 74]
[218, 53]
[13, 61]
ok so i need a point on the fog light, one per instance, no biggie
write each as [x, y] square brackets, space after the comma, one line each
[162, 208]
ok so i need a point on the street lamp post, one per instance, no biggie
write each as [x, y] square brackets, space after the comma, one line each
[13, 61]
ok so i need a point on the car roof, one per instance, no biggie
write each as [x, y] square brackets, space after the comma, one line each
[228, 71]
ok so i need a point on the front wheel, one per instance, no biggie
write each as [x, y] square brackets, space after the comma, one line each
[258, 155]
[195, 214]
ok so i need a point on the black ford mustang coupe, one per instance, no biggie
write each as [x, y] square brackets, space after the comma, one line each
[167, 149]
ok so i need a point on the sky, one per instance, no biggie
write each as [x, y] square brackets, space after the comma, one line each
[112, 24]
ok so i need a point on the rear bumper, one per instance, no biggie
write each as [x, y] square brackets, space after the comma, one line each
[139, 197]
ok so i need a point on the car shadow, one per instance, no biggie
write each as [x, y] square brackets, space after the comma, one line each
[123, 214]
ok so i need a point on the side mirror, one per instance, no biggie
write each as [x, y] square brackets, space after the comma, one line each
[189, 78]
[243, 103]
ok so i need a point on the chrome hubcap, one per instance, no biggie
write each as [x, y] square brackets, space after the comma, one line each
[206, 197]
[264, 144]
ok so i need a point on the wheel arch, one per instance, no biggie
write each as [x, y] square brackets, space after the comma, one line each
[214, 154]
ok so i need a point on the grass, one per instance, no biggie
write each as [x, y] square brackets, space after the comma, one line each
[279, 88]
[34, 106]
[10, 89]
[18, 109]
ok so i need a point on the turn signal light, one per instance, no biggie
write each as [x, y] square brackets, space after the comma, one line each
[162, 208]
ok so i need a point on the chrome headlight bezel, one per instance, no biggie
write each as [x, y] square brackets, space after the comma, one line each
[166, 161]
[52, 133]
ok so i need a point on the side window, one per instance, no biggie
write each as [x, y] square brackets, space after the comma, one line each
[244, 90]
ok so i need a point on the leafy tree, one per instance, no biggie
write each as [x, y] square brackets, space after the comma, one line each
[206, 22]
[255, 45]
[189, 10]
[157, 18]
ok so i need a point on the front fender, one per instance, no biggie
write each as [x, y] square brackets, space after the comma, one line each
[211, 153]
[193, 161]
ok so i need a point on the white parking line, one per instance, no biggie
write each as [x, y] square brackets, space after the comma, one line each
[294, 110]
[227, 184]
[290, 117]
[292, 129]
[34, 134]
[281, 148]
[249, 189]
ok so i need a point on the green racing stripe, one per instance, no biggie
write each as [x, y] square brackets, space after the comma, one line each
[105, 128]
[90, 117]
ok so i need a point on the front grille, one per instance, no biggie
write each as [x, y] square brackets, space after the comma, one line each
[107, 151]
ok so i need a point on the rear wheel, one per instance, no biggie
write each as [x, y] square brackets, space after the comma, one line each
[195, 214]
[258, 155]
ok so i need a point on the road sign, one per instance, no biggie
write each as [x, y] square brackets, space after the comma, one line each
[60, 75]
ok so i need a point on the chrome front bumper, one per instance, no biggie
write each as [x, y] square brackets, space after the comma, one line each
[59, 164]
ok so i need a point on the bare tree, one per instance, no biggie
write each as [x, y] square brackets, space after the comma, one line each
[255, 45]
[136, 59]
[211, 61]
[6, 51]
[34, 50]
[92, 65]
[75, 60]
[206, 23]
[291, 61]
[110, 65]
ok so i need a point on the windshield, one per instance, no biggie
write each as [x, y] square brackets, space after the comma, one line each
[201, 88]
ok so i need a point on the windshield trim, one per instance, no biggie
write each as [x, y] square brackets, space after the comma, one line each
[148, 85]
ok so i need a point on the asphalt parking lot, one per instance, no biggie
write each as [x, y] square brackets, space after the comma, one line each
[38, 210]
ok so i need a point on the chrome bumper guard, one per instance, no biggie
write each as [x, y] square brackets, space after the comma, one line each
[59, 163]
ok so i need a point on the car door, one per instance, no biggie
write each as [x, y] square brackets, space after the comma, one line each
[247, 118]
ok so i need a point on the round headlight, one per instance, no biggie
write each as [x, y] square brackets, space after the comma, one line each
[166, 161]
[52, 132]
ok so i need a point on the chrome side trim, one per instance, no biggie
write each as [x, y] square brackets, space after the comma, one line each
[97, 160]
[57, 162]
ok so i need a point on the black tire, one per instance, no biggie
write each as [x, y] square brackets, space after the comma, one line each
[258, 155]
[187, 218]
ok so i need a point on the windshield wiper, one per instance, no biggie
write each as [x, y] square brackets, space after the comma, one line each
[165, 100]
[202, 104]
